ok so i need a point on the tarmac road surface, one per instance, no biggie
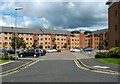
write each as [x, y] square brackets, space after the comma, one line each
[58, 67]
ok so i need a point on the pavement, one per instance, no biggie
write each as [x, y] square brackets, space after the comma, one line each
[13, 64]
[90, 61]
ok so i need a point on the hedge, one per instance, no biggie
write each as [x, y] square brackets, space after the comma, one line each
[113, 53]
[6, 57]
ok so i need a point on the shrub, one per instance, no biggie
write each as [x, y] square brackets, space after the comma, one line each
[113, 53]
[101, 55]
[6, 57]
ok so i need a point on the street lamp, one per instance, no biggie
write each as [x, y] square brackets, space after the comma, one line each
[16, 9]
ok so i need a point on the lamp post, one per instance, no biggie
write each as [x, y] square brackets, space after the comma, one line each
[16, 9]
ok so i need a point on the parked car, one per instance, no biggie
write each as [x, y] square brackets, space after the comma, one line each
[53, 50]
[3, 52]
[75, 50]
[11, 51]
[58, 50]
[87, 49]
[43, 51]
[26, 53]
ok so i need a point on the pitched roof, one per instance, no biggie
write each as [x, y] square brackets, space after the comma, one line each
[34, 30]
[100, 31]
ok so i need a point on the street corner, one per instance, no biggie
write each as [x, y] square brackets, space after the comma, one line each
[99, 69]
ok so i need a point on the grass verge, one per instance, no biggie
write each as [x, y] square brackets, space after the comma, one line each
[113, 61]
[3, 61]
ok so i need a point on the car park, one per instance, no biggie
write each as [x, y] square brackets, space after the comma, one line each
[31, 52]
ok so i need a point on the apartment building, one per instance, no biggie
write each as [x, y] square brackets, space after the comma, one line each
[114, 23]
[49, 37]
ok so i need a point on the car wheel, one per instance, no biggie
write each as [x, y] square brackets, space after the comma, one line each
[35, 55]
[21, 55]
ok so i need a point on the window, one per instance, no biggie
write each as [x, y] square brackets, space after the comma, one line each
[41, 39]
[21, 38]
[5, 37]
[45, 42]
[116, 42]
[30, 38]
[115, 12]
[115, 27]
[5, 32]
[6, 43]
[58, 39]
[27, 38]
[9, 37]
[45, 38]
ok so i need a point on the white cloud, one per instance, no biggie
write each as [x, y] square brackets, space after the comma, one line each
[58, 14]
[8, 20]
[57, 0]
[2, 23]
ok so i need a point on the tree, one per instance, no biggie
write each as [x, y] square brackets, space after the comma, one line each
[48, 46]
[19, 42]
[34, 45]
[106, 43]
[54, 46]
[65, 45]
[23, 45]
[41, 46]
[4, 45]
[101, 43]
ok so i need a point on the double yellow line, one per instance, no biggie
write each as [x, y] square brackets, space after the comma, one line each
[81, 65]
[19, 68]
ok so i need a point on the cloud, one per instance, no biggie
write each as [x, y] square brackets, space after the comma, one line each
[2, 23]
[8, 21]
[60, 14]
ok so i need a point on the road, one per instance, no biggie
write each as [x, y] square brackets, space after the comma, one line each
[58, 67]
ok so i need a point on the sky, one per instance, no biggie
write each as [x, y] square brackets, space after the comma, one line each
[55, 14]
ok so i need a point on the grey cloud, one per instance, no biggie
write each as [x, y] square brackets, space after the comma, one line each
[66, 14]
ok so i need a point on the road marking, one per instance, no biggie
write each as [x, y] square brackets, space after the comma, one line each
[18, 69]
[95, 70]
[104, 67]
